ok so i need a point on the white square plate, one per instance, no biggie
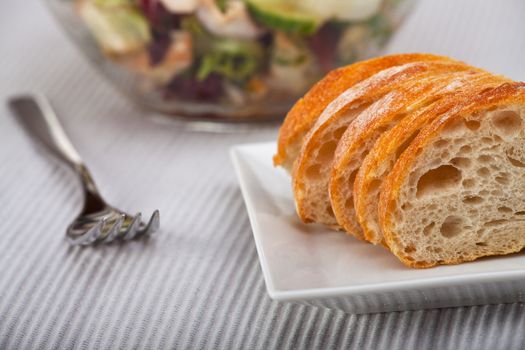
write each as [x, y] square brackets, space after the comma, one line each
[314, 265]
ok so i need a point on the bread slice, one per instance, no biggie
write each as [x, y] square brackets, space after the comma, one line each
[364, 131]
[381, 158]
[307, 110]
[457, 192]
[312, 167]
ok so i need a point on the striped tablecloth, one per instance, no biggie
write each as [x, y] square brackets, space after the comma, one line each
[197, 284]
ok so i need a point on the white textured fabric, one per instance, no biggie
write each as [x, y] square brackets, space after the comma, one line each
[198, 283]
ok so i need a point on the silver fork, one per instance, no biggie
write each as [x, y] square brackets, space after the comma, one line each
[98, 221]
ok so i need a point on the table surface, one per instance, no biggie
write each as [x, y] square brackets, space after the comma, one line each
[198, 283]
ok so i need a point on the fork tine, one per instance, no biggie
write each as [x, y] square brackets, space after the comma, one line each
[133, 227]
[152, 226]
[115, 230]
[89, 236]
[94, 233]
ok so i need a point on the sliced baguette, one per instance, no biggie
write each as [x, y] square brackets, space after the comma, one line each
[381, 158]
[312, 167]
[364, 131]
[457, 193]
[307, 110]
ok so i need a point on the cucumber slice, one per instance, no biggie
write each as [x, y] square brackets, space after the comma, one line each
[118, 30]
[287, 16]
[343, 10]
[112, 2]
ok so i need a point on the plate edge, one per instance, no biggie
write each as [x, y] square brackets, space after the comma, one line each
[236, 158]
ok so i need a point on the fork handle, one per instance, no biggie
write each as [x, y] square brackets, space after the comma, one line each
[36, 115]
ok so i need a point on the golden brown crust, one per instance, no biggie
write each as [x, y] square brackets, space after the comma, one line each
[378, 160]
[305, 112]
[505, 94]
[317, 121]
[367, 127]
[361, 94]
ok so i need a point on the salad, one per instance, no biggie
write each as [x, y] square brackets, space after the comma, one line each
[235, 53]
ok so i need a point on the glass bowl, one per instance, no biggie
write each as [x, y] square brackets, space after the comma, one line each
[225, 60]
